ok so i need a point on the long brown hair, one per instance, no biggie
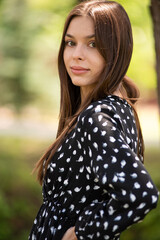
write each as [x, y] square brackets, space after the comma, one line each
[113, 38]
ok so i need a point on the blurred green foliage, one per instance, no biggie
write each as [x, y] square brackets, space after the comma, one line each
[142, 68]
[14, 44]
[29, 42]
[20, 194]
[30, 33]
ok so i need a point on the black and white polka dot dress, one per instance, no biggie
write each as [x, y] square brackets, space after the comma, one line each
[95, 181]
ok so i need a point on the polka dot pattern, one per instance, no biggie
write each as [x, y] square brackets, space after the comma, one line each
[95, 181]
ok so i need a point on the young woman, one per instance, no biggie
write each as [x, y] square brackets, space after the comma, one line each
[94, 181]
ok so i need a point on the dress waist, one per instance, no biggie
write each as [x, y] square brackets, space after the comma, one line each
[59, 209]
[52, 221]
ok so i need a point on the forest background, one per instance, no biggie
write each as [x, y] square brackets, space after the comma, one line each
[30, 33]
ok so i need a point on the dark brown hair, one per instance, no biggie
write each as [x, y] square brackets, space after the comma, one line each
[113, 38]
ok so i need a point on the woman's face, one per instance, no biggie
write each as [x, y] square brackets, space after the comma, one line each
[82, 60]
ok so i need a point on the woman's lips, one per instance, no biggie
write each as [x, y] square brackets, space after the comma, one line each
[79, 70]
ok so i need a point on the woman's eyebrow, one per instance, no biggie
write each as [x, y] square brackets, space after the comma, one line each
[88, 36]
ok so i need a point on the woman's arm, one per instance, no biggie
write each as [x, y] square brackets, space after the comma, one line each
[122, 176]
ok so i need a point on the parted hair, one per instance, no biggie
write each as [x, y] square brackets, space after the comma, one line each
[114, 41]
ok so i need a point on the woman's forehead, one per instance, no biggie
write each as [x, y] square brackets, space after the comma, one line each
[81, 25]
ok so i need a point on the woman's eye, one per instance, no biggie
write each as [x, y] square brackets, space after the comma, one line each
[70, 43]
[92, 44]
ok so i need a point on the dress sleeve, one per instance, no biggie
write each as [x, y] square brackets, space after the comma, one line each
[129, 193]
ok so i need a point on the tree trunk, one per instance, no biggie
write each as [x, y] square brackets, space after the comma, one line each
[155, 13]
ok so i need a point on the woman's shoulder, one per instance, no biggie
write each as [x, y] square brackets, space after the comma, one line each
[111, 105]
[109, 114]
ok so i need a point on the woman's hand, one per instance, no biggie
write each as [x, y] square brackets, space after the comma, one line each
[70, 234]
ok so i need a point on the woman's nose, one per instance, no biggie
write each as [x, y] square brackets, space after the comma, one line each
[78, 52]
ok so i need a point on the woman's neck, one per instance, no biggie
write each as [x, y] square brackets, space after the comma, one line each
[118, 93]
[85, 93]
